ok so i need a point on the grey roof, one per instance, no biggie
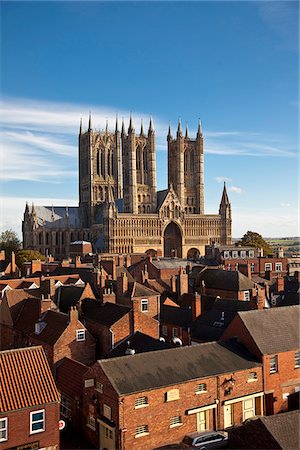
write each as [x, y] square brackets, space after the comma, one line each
[284, 428]
[274, 330]
[145, 371]
[160, 196]
[172, 263]
[44, 215]
[231, 280]
[140, 343]
[172, 315]
[104, 313]
[67, 296]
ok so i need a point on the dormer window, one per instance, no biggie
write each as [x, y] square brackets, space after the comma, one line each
[39, 326]
[144, 305]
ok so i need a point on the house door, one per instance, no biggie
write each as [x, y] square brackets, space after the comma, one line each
[107, 437]
[248, 408]
[269, 404]
[202, 421]
[228, 416]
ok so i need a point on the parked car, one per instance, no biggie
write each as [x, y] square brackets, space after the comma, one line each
[205, 440]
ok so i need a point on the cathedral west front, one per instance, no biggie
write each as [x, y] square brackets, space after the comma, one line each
[120, 210]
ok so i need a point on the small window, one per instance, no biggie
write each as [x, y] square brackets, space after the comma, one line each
[165, 330]
[234, 254]
[3, 429]
[89, 383]
[175, 421]
[243, 254]
[80, 335]
[297, 360]
[200, 388]
[91, 422]
[252, 376]
[107, 411]
[273, 364]
[65, 407]
[251, 254]
[99, 387]
[171, 395]
[268, 267]
[144, 305]
[141, 402]
[228, 266]
[252, 267]
[141, 430]
[278, 267]
[174, 332]
[226, 255]
[247, 296]
[37, 421]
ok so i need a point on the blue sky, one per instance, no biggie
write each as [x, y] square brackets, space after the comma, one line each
[232, 64]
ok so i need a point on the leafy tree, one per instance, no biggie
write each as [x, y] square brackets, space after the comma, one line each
[9, 242]
[252, 239]
[28, 255]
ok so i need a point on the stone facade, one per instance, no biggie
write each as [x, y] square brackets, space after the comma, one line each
[120, 210]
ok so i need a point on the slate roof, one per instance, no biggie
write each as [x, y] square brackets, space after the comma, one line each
[283, 427]
[139, 290]
[172, 263]
[144, 371]
[67, 296]
[181, 316]
[160, 196]
[104, 313]
[56, 323]
[141, 343]
[122, 269]
[231, 280]
[69, 377]
[44, 216]
[273, 330]
[26, 379]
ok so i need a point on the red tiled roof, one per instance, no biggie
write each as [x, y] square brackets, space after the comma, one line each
[26, 379]
[69, 377]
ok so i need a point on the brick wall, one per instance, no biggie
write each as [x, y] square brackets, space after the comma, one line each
[19, 427]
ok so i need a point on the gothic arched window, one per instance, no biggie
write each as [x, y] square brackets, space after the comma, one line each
[98, 163]
[102, 163]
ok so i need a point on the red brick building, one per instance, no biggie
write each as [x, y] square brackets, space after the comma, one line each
[272, 335]
[63, 335]
[155, 398]
[29, 405]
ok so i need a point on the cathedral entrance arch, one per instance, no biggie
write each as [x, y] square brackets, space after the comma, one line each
[172, 240]
[193, 253]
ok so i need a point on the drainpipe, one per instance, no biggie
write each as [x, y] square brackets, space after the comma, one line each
[218, 408]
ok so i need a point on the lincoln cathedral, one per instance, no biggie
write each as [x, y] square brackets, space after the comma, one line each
[120, 210]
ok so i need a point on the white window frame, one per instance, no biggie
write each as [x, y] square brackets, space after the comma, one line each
[176, 421]
[247, 296]
[243, 254]
[107, 411]
[99, 387]
[32, 422]
[65, 407]
[252, 267]
[4, 429]
[175, 332]
[144, 302]
[274, 364]
[268, 266]
[251, 253]
[235, 254]
[252, 377]
[165, 330]
[297, 359]
[91, 422]
[228, 267]
[80, 335]
[278, 267]
[141, 430]
[226, 255]
[141, 402]
[201, 388]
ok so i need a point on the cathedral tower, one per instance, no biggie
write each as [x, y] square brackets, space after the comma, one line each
[99, 168]
[225, 213]
[186, 169]
[139, 170]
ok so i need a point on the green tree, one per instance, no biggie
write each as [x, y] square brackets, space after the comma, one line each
[27, 255]
[252, 239]
[9, 242]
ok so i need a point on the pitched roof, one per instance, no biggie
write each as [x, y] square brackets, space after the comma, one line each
[144, 371]
[231, 280]
[26, 379]
[140, 343]
[56, 322]
[44, 216]
[273, 330]
[69, 376]
[283, 427]
[139, 290]
[105, 313]
[67, 296]
[175, 315]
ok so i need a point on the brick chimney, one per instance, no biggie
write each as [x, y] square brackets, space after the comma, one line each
[145, 274]
[108, 295]
[47, 303]
[196, 306]
[73, 314]
[122, 283]
[13, 267]
[2, 255]
[245, 269]
[77, 261]
[279, 284]
[36, 266]
[173, 283]
[183, 282]
[260, 297]
[48, 287]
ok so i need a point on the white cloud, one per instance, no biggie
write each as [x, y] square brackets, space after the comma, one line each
[285, 204]
[236, 190]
